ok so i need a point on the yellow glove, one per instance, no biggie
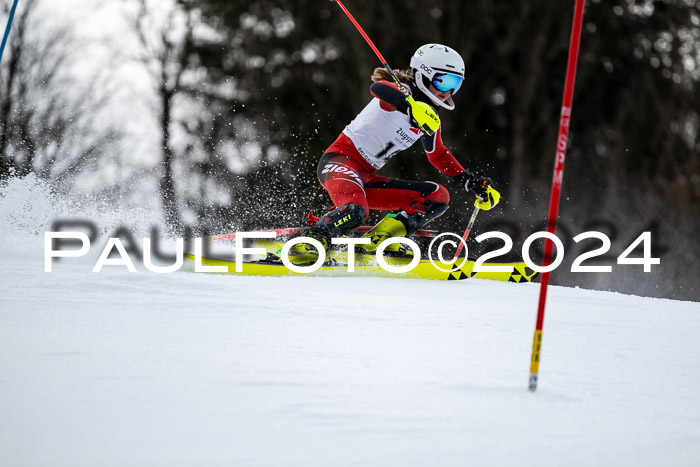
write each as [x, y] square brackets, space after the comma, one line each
[423, 115]
[488, 198]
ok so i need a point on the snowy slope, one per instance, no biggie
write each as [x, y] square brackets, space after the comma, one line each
[121, 369]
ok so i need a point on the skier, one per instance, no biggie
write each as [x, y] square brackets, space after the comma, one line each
[390, 123]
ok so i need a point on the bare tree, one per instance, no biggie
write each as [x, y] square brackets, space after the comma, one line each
[47, 110]
[161, 28]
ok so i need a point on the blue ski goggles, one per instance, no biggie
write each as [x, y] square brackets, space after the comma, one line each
[447, 82]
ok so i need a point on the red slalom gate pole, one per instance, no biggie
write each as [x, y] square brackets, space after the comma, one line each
[362, 31]
[562, 141]
[371, 44]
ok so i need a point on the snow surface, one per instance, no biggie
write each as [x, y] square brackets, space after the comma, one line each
[185, 369]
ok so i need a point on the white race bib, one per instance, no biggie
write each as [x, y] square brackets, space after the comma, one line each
[379, 134]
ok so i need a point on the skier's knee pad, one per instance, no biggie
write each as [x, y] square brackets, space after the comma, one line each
[434, 204]
[434, 210]
[342, 220]
[439, 196]
[416, 221]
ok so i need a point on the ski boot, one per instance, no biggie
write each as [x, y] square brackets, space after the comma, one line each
[401, 224]
[304, 253]
[336, 223]
[393, 225]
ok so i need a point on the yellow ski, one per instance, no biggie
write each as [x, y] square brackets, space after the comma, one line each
[367, 266]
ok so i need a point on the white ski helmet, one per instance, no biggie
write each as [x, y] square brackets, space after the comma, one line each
[431, 62]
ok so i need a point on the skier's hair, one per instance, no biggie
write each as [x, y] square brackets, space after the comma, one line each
[382, 74]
